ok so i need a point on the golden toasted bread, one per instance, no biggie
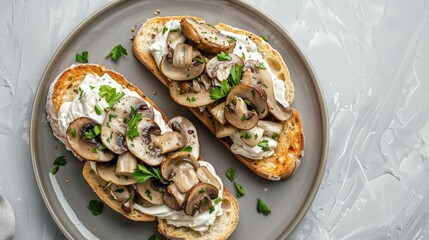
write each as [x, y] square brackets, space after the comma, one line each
[286, 158]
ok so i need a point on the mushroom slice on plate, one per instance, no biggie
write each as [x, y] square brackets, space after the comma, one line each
[174, 198]
[218, 112]
[188, 130]
[149, 191]
[221, 69]
[190, 98]
[107, 172]
[254, 74]
[205, 37]
[120, 193]
[126, 164]
[239, 99]
[83, 138]
[180, 168]
[140, 141]
[128, 206]
[199, 198]
[182, 72]
[114, 128]
[174, 38]
[224, 130]
[206, 176]
[169, 142]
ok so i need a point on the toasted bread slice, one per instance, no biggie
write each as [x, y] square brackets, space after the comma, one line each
[285, 161]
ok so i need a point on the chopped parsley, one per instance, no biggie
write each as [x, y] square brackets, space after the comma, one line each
[143, 173]
[240, 189]
[82, 58]
[73, 132]
[224, 56]
[191, 99]
[186, 149]
[94, 150]
[217, 92]
[243, 117]
[199, 60]
[259, 66]
[253, 93]
[265, 38]
[247, 135]
[96, 207]
[231, 40]
[230, 174]
[263, 208]
[97, 110]
[243, 56]
[117, 52]
[217, 200]
[212, 209]
[264, 145]
[201, 191]
[119, 190]
[59, 161]
[80, 93]
[110, 95]
[164, 30]
[235, 76]
[248, 103]
[112, 116]
[92, 133]
[148, 193]
[274, 136]
[135, 118]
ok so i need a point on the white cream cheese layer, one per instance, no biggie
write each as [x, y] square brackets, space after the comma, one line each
[200, 222]
[85, 102]
[160, 47]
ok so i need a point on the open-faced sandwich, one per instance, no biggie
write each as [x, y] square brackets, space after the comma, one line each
[140, 164]
[234, 82]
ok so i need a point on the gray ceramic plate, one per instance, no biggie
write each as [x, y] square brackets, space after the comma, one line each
[111, 25]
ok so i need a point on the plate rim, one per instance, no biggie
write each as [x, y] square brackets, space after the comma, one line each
[314, 79]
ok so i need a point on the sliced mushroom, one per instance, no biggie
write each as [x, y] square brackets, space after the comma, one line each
[87, 148]
[120, 193]
[175, 38]
[182, 56]
[189, 99]
[142, 145]
[206, 176]
[271, 129]
[147, 190]
[114, 128]
[180, 168]
[236, 110]
[169, 142]
[174, 198]
[252, 136]
[218, 112]
[261, 77]
[128, 206]
[188, 130]
[221, 69]
[107, 172]
[199, 198]
[126, 164]
[224, 130]
[187, 72]
[205, 37]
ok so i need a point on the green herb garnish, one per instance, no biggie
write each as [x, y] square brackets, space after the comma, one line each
[94, 150]
[274, 136]
[235, 76]
[212, 209]
[259, 66]
[191, 99]
[96, 207]
[217, 92]
[148, 193]
[164, 29]
[112, 116]
[247, 135]
[73, 132]
[80, 93]
[59, 161]
[110, 95]
[263, 208]
[243, 117]
[186, 149]
[224, 56]
[240, 189]
[230, 174]
[117, 52]
[217, 200]
[265, 38]
[82, 58]
[143, 173]
[135, 118]
[231, 40]
[92, 133]
[264, 145]
[97, 110]
[199, 60]
[174, 30]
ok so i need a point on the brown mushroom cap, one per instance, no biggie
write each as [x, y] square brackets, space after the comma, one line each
[188, 130]
[107, 171]
[189, 99]
[176, 73]
[205, 37]
[262, 78]
[149, 193]
[88, 149]
[221, 69]
[199, 198]
[142, 146]
[180, 168]
[114, 128]
[236, 110]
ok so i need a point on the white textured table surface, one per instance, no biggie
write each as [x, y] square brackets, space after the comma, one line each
[372, 61]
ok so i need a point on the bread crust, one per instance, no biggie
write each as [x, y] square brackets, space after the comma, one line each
[286, 159]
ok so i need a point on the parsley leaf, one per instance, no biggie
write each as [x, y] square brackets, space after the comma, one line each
[165, 29]
[148, 193]
[240, 189]
[247, 135]
[112, 116]
[109, 93]
[230, 174]
[217, 200]
[117, 52]
[92, 133]
[96, 207]
[97, 110]
[186, 149]
[235, 76]
[212, 209]
[82, 58]
[263, 208]
[135, 118]
[264, 145]
[265, 38]
[59, 161]
[143, 173]
[217, 92]
[199, 60]
[259, 66]
[224, 56]
[274, 136]
[231, 40]
[73, 132]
